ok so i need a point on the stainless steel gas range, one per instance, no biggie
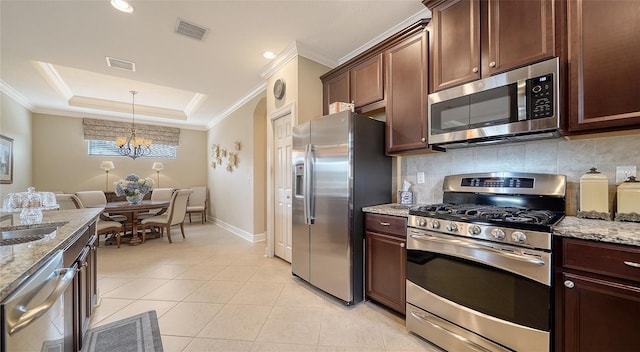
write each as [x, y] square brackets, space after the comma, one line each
[479, 263]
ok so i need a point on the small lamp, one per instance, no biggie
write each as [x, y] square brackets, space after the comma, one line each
[106, 166]
[158, 166]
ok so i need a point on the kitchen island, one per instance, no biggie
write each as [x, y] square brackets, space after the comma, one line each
[21, 260]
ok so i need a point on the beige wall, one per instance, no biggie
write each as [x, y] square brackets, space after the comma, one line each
[61, 163]
[309, 88]
[260, 167]
[235, 197]
[15, 122]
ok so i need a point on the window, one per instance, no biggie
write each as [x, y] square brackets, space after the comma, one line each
[109, 148]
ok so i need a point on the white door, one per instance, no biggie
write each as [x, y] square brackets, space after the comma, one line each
[283, 174]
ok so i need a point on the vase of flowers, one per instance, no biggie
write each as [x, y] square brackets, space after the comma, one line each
[133, 188]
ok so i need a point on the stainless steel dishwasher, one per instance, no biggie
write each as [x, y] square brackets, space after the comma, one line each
[33, 315]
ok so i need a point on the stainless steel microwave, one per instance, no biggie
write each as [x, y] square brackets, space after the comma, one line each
[521, 104]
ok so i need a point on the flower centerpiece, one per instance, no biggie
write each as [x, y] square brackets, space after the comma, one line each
[133, 187]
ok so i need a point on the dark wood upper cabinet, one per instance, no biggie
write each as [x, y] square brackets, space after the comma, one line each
[472, 39]
[367, 82]
[604, 65]
[389, 78]
[519, 33]
[406, 110]
[336, 88]
[455, 43]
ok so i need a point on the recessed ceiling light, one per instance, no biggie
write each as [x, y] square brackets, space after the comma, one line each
[122, 5]
[268, 55]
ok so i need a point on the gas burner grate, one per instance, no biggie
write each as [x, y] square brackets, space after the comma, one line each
[486, 212]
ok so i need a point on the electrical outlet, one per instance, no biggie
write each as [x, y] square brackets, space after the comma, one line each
[420, 177]
[623, 172]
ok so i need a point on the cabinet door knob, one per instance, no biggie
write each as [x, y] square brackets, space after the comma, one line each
[633, 264]
[492, 64]
[569, 284]
[475, 70]
[402, 245]
[423, 140]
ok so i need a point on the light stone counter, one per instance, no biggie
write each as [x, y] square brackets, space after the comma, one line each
[620, 232]
[394, 209]
[21, 260]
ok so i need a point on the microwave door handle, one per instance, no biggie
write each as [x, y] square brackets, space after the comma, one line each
[522, 99]
[18, 318]
[467, 244]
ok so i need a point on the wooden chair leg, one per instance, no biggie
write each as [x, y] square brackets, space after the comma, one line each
[182, 229]
[169, 233]
[144, 233]
[189, 217]
[202, 217]
[118, 238]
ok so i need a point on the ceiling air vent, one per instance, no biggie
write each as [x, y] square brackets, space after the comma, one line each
[190, 30]
[121, 64]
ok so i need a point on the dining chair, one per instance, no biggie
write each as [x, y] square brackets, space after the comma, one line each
[163, 194]
[97, 199]
[198, 203]
[103, 227]
[67, 201]
[174, 215]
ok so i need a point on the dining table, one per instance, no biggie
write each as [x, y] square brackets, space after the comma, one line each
[132, 210]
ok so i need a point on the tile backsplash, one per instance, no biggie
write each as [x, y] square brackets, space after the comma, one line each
[572, 158]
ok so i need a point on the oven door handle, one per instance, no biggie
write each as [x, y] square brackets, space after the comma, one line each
[18, 317]
[431, 320]
[467, 244]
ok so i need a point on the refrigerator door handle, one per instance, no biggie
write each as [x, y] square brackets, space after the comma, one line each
[309, 199]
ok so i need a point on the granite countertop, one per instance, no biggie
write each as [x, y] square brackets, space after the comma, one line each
[19, 261]
[394, 209]
[620, 232]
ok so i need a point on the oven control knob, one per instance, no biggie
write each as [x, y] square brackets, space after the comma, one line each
[498, 234]
[422, 222]
[452, 227]
[435, 224]
[518, 236]
[474, 230]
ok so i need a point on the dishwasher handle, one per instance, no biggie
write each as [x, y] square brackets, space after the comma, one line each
[20, 317]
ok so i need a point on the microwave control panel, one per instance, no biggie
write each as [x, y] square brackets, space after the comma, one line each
[540, 95]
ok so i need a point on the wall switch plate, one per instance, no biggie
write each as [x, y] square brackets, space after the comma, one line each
[420, 177]
[623, 172]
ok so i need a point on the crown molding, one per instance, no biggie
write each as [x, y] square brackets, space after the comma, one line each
[294, 49]
[15, 95]
[425, 13]
[262, 87]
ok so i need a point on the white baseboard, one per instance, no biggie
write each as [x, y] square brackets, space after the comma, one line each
[259, 237]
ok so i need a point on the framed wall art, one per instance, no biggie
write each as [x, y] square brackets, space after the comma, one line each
[6, 160]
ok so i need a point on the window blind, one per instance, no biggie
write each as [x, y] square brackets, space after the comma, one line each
[105, 130]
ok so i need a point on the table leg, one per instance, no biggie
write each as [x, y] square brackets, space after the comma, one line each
[135, 240]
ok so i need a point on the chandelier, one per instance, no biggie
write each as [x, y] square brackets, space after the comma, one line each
[133, 146]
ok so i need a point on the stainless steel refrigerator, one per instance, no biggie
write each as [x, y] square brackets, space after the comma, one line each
[339, 166]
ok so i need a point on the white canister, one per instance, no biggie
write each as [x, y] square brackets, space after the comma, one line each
[594, 193]
[629, 197]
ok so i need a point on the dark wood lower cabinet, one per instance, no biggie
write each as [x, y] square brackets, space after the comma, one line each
[81, 296]
[598, 297]
[600, 315]
[385, 266]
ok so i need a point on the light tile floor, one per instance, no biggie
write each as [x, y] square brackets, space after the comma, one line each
[214, 291]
